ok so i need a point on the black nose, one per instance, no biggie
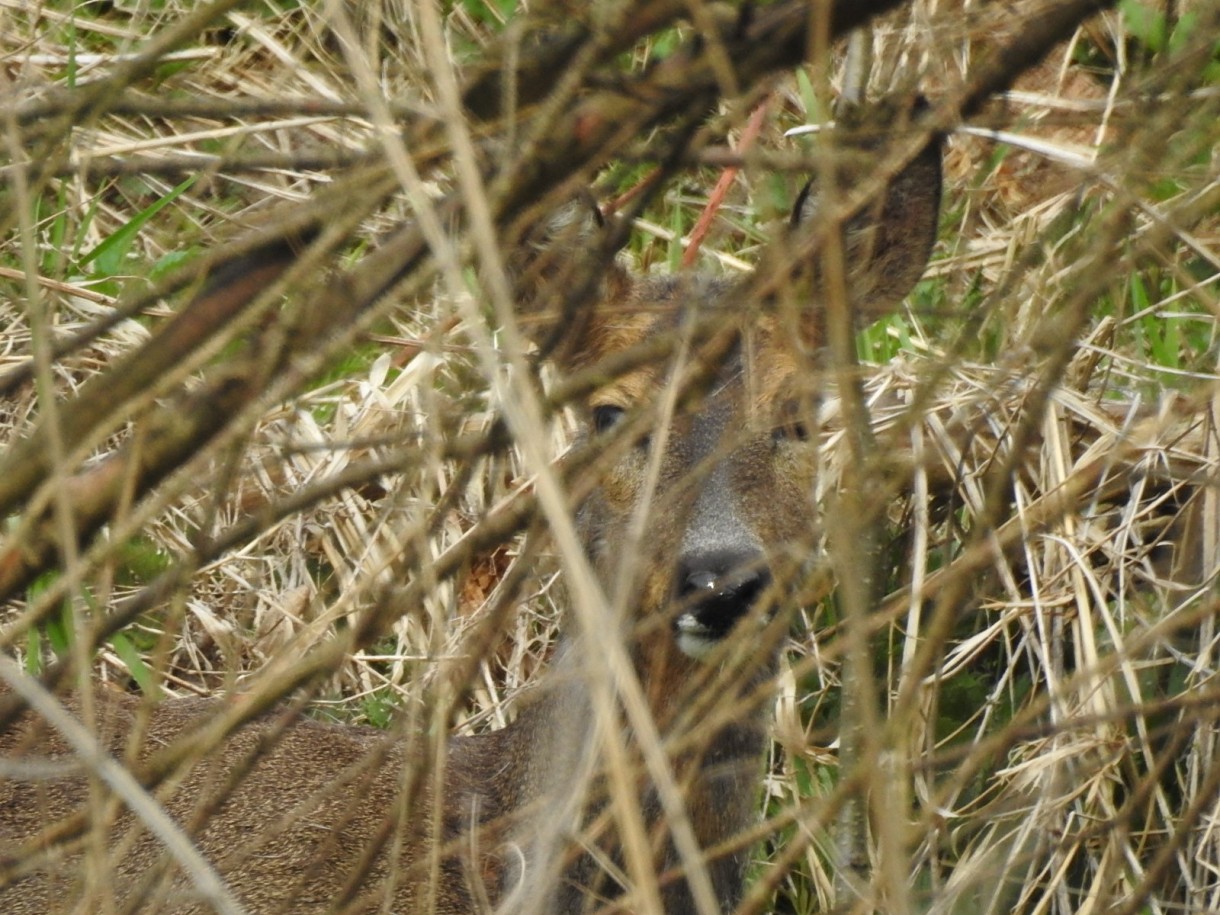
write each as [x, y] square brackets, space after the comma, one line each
[714, 591]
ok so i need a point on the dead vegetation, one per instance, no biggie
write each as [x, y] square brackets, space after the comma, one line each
[1041, 653]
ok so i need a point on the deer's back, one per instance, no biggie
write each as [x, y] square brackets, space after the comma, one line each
[301, 817]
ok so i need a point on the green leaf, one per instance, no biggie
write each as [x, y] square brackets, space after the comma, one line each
[135, 664]
[1146, 24]
[33, 651]
[108, 255]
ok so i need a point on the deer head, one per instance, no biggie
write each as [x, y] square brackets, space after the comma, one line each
[700, 414]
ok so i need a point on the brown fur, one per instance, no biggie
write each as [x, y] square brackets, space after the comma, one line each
[729, 522]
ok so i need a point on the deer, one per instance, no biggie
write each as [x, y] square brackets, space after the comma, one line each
[700, 518]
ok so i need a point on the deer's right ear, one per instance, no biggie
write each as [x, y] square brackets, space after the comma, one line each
[886, 246]
[566, 282]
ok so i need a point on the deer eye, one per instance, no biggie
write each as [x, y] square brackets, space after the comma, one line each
[606, 417]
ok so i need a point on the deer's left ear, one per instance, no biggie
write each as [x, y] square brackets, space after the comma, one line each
[886, 245]
[565, 282]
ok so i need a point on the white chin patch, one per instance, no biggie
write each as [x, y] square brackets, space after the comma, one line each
[694, 639]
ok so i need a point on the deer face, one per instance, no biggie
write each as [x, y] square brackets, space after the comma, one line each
[706, 499]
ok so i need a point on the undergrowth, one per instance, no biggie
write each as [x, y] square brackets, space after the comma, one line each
[1028, 773]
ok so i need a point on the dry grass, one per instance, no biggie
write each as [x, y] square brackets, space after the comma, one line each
[1053, 531]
